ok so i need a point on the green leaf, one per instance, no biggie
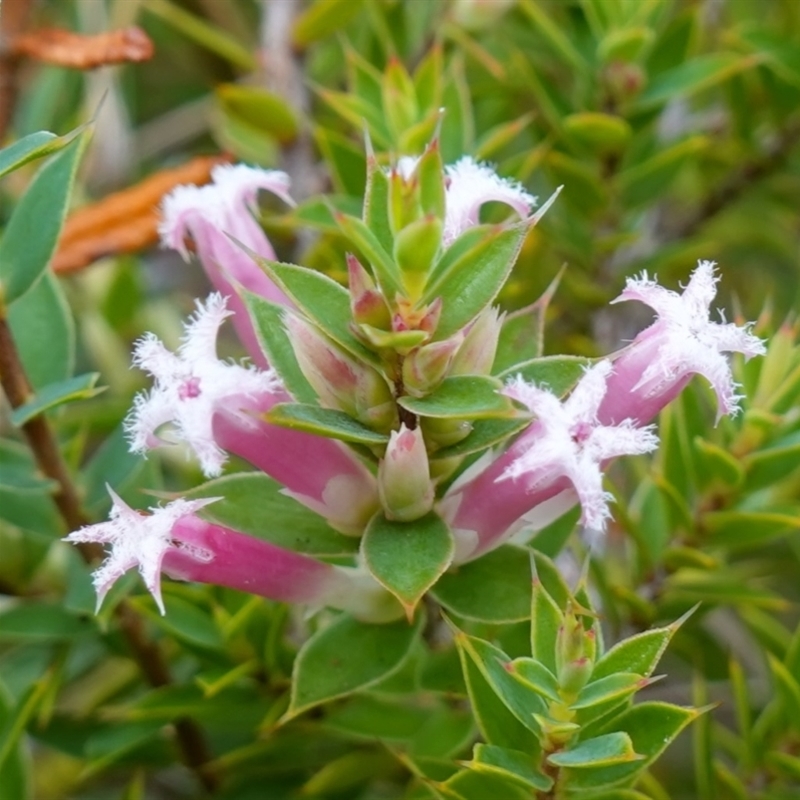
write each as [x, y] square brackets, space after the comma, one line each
[203, 33]
[719, 463]
[407, 557]
[35, 145]
[742, 529]
[533, 674]
[522, 333]
[485, 433]
[601, 751]
[185, 620]
[18, 472]
[494, 588]
[347, 656]
[492, 663]
[324, 301]
[496, 723]
[559, 374]
[40, 621]
[603, 132]
[80, 387]
[253, 503]
[469, 278]
[267, 320]
[695, 75]
[44, 332]
[323, 18]
[640, 653]
[14, 780]
[643, 182]
[519, 766]
[553, 35]
[613, 687]
[265, 111]
[770, 465]
[546, 619]
[366, 242]
[651, 727]
[474, 784]
[30, 238]
[463, 397]
[324, 422]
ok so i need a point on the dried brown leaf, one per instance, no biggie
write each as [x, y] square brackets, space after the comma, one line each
[78, 51]
[126, 221]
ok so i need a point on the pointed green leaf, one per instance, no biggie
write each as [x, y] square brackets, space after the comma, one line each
[559, 374]
[376, 205]
[323, 422]
[30, 238]
[80, 387]
[601, 751]
[463, 397]
[651, 727]
[741, 529]
[496, 723]
[494, 665]
[322, 19]
[204, 33]
[253, 503]
[469, 282]
[472, 784]
[347, 656]
[640, 653]
[485, 433]
[407, 557]
[612, 687]
[695, 75]
[369, 245]
[546, 619]
[35, 145]
[494, 588]
[535, 675]
[18, 472]
[268, 322]
[515, 764]
[324, 301]
[265, 111]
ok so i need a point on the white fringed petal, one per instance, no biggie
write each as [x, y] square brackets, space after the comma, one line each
[137, 540]
[571, 443]
[191, 386]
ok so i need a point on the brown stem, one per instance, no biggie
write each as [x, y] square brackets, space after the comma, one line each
[48, 457]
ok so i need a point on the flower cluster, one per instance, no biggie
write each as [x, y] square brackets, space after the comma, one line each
[377, 393]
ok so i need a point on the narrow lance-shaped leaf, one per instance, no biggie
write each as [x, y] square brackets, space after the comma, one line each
[31, 235]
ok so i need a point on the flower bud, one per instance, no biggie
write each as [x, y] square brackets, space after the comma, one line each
[340, 380]
[445, 432]
[426, 367]
[573, 654]
[404, 481]
[367, 304]
[476, 355]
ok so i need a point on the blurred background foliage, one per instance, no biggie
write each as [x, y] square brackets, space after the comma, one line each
[673, 126]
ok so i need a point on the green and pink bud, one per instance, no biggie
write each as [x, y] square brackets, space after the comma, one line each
[341, 381]
[404, 480]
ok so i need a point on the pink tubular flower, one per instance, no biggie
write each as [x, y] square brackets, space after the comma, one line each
[176, 541]
[216, 407]
[682, 342]
[559, 455]
[209, 215]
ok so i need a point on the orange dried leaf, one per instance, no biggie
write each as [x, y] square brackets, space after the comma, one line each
[78, 51]
[126, 221]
